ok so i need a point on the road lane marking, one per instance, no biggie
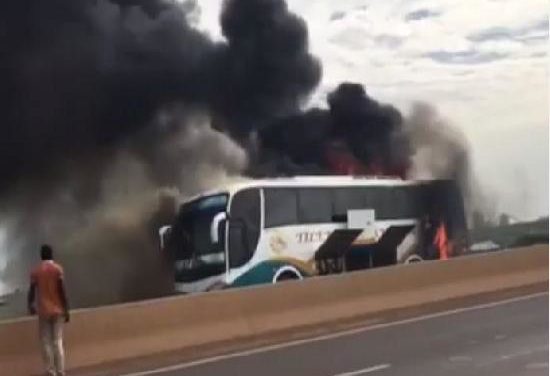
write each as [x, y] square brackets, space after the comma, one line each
[540, 365]
[524, 353]
[325, 337]
[363, 371]
[518, 354]
[460, 359]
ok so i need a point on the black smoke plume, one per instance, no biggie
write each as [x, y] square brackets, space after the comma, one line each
[356, 134]
[118, 98]
[107, 105]
[80, 77]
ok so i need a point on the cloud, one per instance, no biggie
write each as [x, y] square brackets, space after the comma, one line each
[390, 41]
[533, 32]
[337, 15]
[494, 33]
[539, 54]
[421, 14]
[542, 24]
[465, 57]
[347, 38]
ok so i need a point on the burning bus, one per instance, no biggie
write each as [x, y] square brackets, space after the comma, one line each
[271, 230]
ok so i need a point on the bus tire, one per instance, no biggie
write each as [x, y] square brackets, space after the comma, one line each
[287, 273]
[413, 259]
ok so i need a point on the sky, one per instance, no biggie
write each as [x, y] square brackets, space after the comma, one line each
[482, 64]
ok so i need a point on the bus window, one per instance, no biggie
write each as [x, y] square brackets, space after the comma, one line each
[406, 202]
[345, 199]
[314, 205]
[280, 207]
[244, 226]
[380, 199]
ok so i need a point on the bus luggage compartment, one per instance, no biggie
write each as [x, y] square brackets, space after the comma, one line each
[381, 253]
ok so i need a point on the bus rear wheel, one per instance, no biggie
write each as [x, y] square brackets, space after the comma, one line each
[413, 259]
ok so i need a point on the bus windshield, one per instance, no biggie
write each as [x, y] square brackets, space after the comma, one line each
[196, 256]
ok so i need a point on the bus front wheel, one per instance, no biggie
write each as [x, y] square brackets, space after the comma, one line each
[287, 273]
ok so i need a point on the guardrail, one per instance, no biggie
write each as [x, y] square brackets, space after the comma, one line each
[126, 331]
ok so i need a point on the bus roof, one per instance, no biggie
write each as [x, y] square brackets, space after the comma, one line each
[308, 181]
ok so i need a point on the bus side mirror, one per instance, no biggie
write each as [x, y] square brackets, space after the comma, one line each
[164, 234]
[219, 219]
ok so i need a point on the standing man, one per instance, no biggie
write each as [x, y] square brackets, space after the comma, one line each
[48, 288]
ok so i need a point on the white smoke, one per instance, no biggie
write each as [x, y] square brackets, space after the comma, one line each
[441, 151]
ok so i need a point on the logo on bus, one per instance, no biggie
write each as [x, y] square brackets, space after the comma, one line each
[277, 243]
[306, 237]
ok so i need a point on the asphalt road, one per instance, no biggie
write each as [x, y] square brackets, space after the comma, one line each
[508, 338]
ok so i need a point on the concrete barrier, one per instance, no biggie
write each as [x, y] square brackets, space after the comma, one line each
[126, 331]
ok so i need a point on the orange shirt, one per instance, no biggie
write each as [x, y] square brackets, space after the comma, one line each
[46, 277]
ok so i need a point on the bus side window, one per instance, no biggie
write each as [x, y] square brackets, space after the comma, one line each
[345, 199]
[244, 226]
[281, 207]
[406, 202]
[380, 199]
[314, 205]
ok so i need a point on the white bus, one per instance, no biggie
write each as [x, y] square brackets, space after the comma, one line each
[270, 230]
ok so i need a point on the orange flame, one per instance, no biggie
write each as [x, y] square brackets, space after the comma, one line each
[342, 162]
[441, 241]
